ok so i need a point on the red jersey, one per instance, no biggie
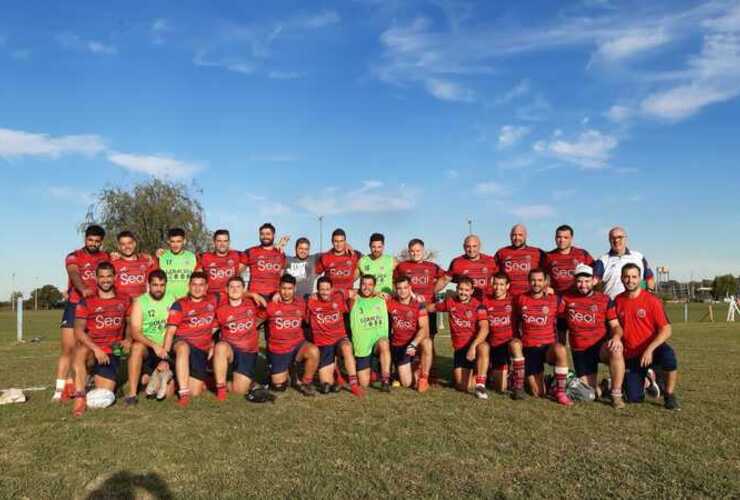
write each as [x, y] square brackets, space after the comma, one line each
[481, 271]
[516, 263]
[265, 268]
[131, 275]
[501, 321]
[339, 268]
[86, 263]
[327, 319]
[285, 324]
[239, 325]
[423, 276]
[105, 319]
[585, 316]
[561, 267]
[537, 318]
[641, 318]
[463, 319]
[404, 320]
[195, 321]
[219, 268]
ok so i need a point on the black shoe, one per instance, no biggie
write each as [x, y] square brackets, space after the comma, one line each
[129, 401]
[306, 390]
[335, 388]
[518, 394]
[385, 387]
[670, 402]
[278, 387]
[325, 388]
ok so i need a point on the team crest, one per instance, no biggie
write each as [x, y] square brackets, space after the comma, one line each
[524, 308]
[594, 308]
[545, 310]
[210, 307]
[230, 317]
[98, 309]
[191, 312]
[507, 309]
[468, 314]
[641, 313]
[485, 269]
[334, 306]
[409, 314]
[230, 262]
[119, 307]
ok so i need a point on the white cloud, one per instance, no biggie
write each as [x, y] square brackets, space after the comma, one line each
[449, 91]
[618, 113]
[284, 75]
[19, 143]
[71, 195]
[520, 89]
[629, 44]
[591, 149]
[75, 42]
[532, 211]
[155, 165]
[452, 174]
[368, 198]
[490, 188]
[101, 48]
[159, 29]
[320, 20]
[510, 135]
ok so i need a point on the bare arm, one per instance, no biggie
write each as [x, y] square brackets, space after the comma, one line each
[169, 337]
[74, 276]
[615, 342]
[482, 334]
[441, 283]
[423, 331]
[663, 335]
[135, 322]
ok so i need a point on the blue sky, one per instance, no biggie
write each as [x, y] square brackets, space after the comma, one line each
[401, 117]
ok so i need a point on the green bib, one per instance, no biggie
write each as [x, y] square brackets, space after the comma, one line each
[178, 268]
[154, 316]
[369, 323]
[381, 268]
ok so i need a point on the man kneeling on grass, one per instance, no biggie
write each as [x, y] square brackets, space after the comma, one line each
[148, 322]
[239, 344]
[190, 326]
[468, 329]
[100, 323]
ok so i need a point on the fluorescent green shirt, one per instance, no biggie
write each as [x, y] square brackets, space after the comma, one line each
[178, 268]
[154, 316]
[381, 268]
[369, 323]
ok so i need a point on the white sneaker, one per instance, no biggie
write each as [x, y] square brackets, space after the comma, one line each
[164, 381]
[652, 389]
[152, 387]
[57, 397]
[480, 391]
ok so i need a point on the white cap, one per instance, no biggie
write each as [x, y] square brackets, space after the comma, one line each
[583, 269]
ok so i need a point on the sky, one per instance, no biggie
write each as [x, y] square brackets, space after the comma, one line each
[403, 117]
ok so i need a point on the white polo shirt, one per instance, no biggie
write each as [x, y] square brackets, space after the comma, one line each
[608, 268]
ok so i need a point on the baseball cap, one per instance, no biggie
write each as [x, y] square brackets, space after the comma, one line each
[583, 269]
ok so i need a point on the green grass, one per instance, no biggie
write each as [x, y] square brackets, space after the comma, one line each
[440, 444]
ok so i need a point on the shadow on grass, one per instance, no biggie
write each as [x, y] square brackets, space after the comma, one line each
[125, 484]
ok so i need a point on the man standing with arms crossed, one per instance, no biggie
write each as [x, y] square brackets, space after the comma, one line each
[177, 262]
[379, 265]
[80, 265]
[561, 262]
[518, 259]
[608, 268]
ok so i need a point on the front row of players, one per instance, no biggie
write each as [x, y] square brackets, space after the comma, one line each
[490, 336]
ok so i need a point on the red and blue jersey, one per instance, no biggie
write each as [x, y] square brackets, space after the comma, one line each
[285, 324]
[585, 316]
[463, 318]
[105, 319]
[219, 268]
[423, 276]
[501, 319]
[239, 325]
[561, 267]
[537, 318]
[132, 274]
[516, 263]
[195, 321]
[265, 265]
[86, 263]
[480, 271]
[641, 319]
[339, 268]
[404, 320]
[327, 319]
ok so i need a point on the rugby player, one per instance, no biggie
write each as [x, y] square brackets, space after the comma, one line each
[238, 319]
[608, 268]
[80, 265]
[325, 312]
[468, 322]
[286, 343]
[339, 263]
[536, 315]
[504, 346]
[302, 267]
[369, 320]
[100, 323]
[560, 263]
[221, 263]
[377, 264]
[409, 324]
[472, 264]
[190, 326]
[265, 262]
[132, 268]
[177, 262]
[645, 332]
[518, 259]
[148, 323]
[584, 312]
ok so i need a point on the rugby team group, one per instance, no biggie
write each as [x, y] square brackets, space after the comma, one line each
[186, 323]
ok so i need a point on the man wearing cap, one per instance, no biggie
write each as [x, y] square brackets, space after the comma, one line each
[583, 314]
[608, 268]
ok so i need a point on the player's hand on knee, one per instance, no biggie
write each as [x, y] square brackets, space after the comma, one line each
[101, 356]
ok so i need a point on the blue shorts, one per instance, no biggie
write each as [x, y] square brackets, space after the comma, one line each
[586, 362]
[150, 362]
[109, 371]
[244, 363]
[68, 316]
[534, 359]
[364, 362]
[281, 362]
[327, 353]
[460, 359]
[198, 362]
[500, 357]
[664, 358]
[399, 356]
[432, 324]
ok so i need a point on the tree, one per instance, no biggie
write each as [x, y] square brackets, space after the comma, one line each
[148, 210]
[48, 297]
[724, 285]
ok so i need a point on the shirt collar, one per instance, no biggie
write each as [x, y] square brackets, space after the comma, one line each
[612, 253]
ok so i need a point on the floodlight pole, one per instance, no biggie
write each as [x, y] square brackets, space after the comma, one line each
[321, 233]
[470, 226]
[36, 295]
[19, 320]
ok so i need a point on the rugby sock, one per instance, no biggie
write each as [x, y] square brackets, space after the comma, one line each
[184, 397]
[353, 380]
[518, 365]
[60, 384]
[480, 380]
[307, 380]
[221, 392]
[561, 373]
[385, 378]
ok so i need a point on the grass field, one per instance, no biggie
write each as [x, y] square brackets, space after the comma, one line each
[439, 444]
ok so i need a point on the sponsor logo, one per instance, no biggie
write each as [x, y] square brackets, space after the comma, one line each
[402, 324]
[535, 320]
[287, 323]
[240, 326]
[461, 322]
[220, 274]
[500, 320]
[269, 267]
[580, 317]
[517, 267]
[102, 322]
[198, 322]
[327, 318]
[125, 278]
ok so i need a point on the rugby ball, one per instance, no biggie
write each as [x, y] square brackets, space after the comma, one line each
[100, 398]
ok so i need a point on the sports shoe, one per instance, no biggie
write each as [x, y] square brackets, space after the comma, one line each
[357, 390]
[278, 387]
[670, 402]
[518, 394]
[339, 379]
[396, 384]
[306, 390]
[130, 401]
[57, 396]
[563, 399]
[480, 391]
[68, 392]
[653, 389]
[184, 401]
[152, 387]
[325, 388]
[605, 388]
[385, 387]
[164, 381]
[422, 385]
[335, 388]
[221, 393]
[618, 401]
[80, 405]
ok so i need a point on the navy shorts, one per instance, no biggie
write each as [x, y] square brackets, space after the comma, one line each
[500, 356]
[281, 362]
[432, 324]
[664, 358]
[109, 371]
[198, 362]
[244, 363]
[586, 362]
[150, 362]
[68, 316]
[327, 353]
[460, 359]
[364, 362]
[399, 356]
[534, 359]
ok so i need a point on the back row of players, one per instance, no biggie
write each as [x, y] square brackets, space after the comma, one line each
[510, 313]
